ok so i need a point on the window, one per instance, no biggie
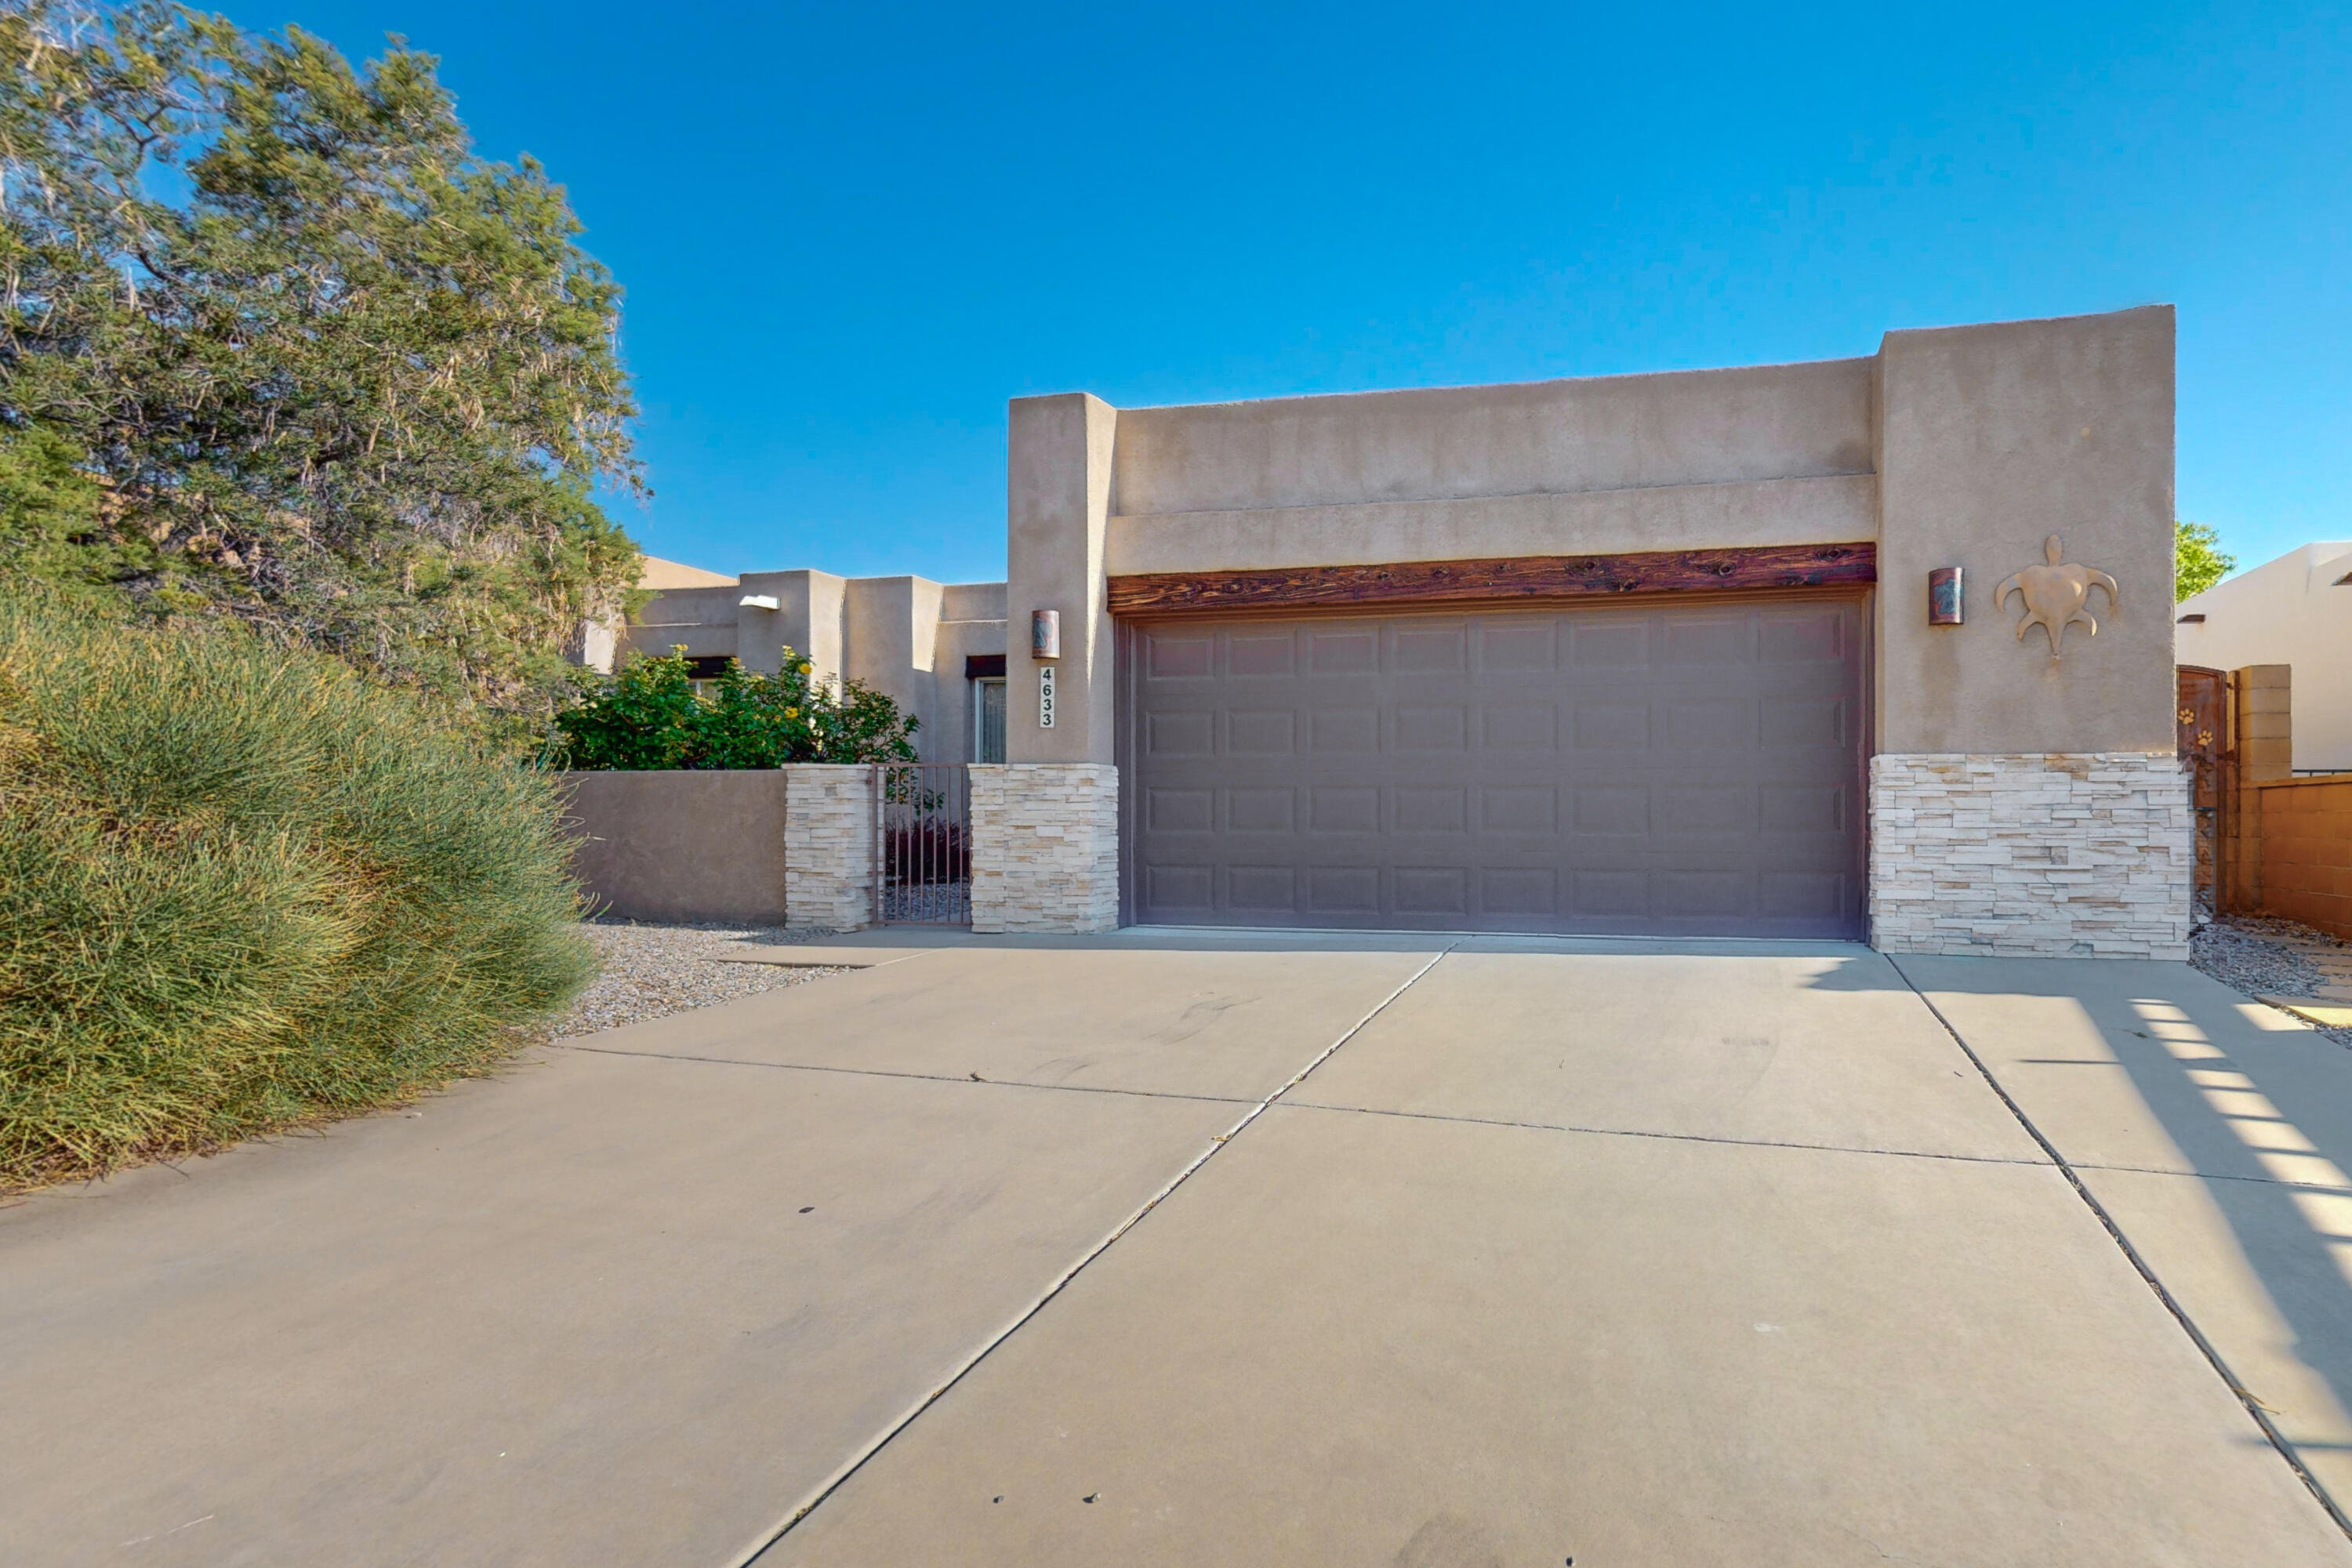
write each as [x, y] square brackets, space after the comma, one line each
[988, 720]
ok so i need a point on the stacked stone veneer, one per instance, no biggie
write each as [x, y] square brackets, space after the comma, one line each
[2060, 856]
[1044, 846]
[828, 846]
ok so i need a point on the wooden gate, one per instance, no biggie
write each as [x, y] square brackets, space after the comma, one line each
[2206, 757]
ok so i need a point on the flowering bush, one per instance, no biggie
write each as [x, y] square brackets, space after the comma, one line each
[653, 714]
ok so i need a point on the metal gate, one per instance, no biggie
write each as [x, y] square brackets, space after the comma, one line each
[2207, 758]
[923, 844]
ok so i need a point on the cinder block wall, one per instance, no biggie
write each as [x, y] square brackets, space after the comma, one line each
[2261, 740]
[2302, 841]
[2289, 849]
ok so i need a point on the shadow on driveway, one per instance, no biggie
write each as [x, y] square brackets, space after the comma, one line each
[2217, 1134]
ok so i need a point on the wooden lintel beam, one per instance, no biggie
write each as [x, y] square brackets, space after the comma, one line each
[1503, 578]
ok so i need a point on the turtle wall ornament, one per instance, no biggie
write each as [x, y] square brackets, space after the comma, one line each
[2056, 596]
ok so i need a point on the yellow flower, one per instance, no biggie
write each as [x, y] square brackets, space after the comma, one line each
[791, 712]
[806, 668]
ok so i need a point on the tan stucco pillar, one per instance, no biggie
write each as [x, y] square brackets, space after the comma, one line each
[2022, 804]
[1990, 439]
[1044, 825]
[1058, 508]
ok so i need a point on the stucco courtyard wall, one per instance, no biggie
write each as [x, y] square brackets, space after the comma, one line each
[791, 845]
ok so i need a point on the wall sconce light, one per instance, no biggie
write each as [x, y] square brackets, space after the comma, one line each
[1944, 607]
[1045, 633]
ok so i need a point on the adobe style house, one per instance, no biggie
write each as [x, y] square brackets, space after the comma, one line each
[1870, 647]
[2294, 611]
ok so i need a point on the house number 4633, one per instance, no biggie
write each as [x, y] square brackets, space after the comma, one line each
[1044, 696]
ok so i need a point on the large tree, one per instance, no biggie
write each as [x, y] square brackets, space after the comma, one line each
[2198, 560]
[277, 344]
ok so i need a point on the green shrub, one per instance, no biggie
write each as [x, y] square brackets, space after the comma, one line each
[242, 888]
[649, 715]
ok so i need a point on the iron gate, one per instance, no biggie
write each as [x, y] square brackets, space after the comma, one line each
[923, 844]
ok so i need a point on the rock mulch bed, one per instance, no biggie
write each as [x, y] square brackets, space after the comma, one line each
[653, 970]
[2263, 956]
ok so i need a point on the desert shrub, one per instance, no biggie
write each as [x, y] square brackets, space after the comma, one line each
[650, 715]
[242, 888]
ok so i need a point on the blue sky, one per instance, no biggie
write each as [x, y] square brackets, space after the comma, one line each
[850, 233]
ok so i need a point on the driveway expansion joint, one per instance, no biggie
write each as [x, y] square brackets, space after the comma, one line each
[2254, 1408]
[1724, 1140]
[919, 1076]
[758, 1548]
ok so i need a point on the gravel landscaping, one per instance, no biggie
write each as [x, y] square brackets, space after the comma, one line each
[653, 970]
[2259, 955]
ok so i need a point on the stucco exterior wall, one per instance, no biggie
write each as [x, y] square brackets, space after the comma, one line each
[1832, 508]
[1599, 433]
[947, 737]
[889, 641]
[1058, 477]
[811, 618]
[699, 619]
[679, 846]
[1989, 439]
[2297, 611]
[1766, 455]
[653, 573]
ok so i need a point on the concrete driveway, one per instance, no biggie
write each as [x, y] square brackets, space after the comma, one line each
[1184, 1248]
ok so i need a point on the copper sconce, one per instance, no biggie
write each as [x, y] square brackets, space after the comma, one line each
[1944, 606]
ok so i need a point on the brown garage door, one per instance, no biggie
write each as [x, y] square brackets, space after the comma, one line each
[1692, 770]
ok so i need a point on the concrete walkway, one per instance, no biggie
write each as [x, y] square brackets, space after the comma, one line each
[1507, 1251]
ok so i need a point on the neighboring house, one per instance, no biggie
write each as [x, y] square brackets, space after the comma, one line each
[2296, 611]
[1644, 655]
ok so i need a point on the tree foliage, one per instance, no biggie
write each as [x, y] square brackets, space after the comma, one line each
[2198, 560]
[650, 715]
[279, 345]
